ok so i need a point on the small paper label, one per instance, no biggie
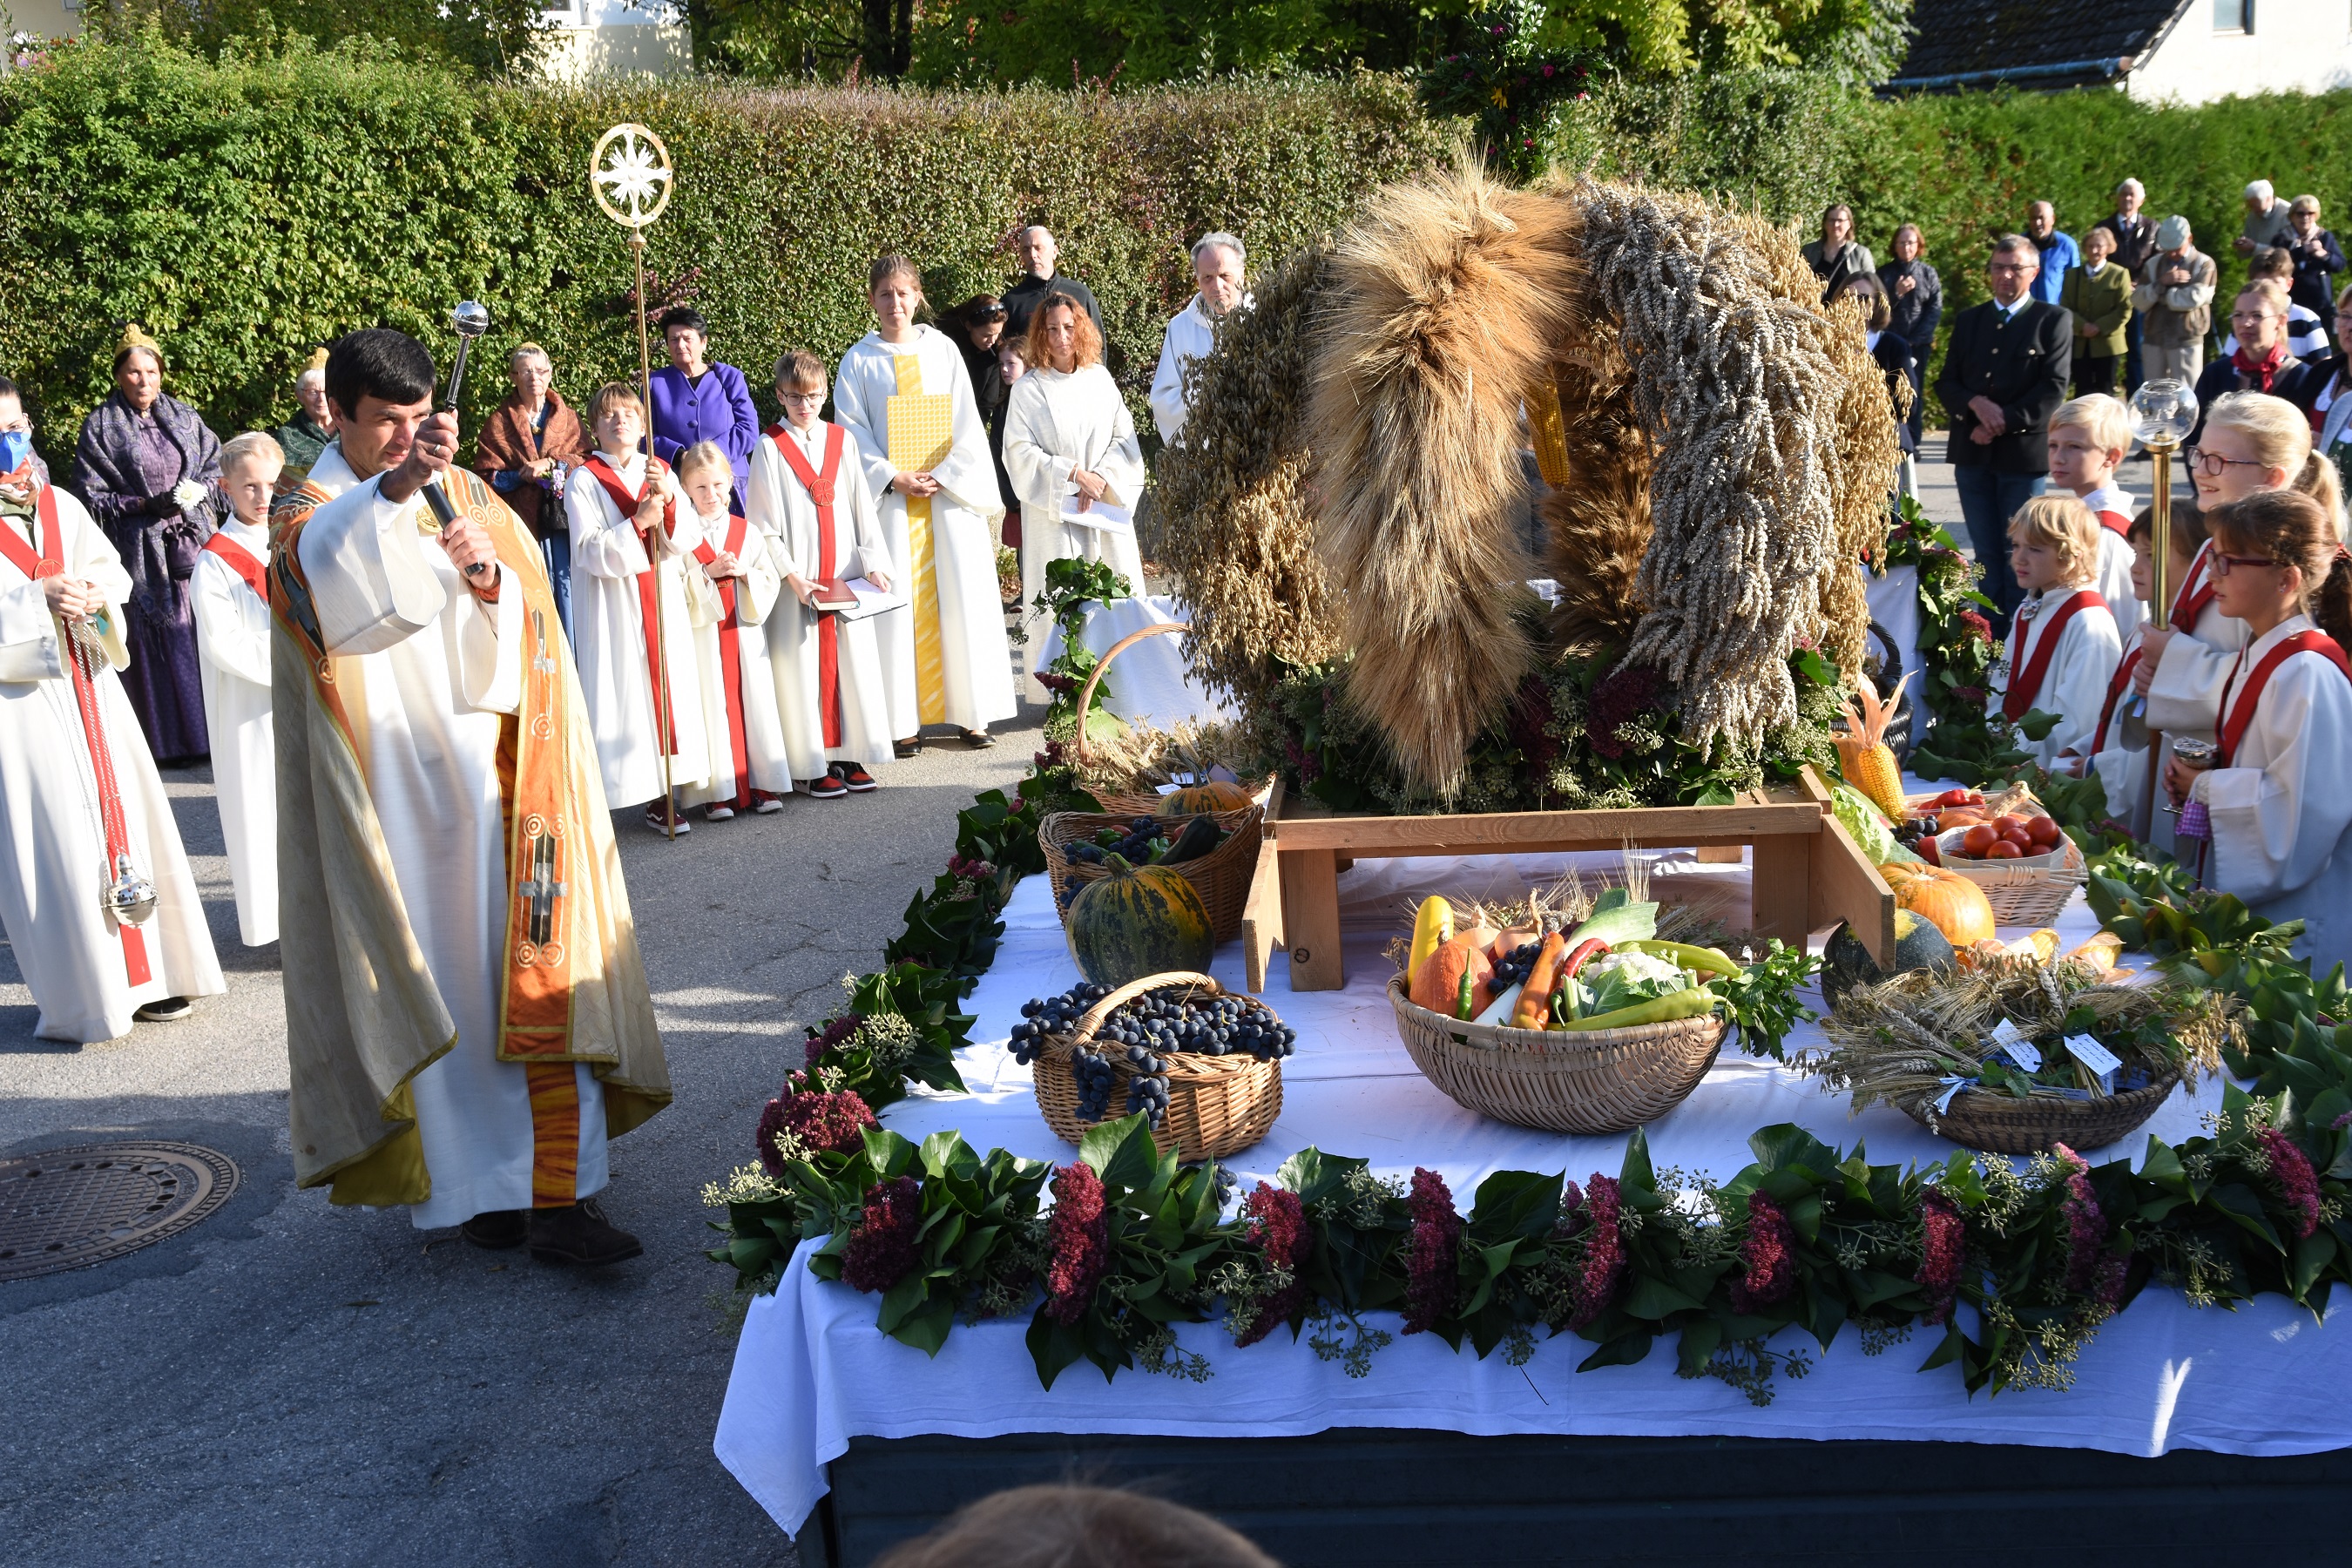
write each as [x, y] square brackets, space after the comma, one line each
[2009, 1041]
[2102, 1061]
[1177, 782]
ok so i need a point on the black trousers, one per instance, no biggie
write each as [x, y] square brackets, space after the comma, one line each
[2095, 375]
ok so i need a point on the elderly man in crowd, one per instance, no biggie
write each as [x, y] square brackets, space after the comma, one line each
[306, 435]
[1039, 254]
[2004, 375]
[2268, 222]
[2058, 251]
[2134, 233]
[2175, 298]
[1217, 259]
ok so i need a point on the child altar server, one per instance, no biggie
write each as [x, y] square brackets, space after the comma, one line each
[2119, 748]
[630, 540]
[907, 397]
[230, 598]
[2088, 437]
[810, 496]
[2062, 644]
[731, 591]
[2280, 813]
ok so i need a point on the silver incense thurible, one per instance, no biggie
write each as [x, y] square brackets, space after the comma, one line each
[131, 897]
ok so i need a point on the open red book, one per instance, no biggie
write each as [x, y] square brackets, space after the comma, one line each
[833, 594]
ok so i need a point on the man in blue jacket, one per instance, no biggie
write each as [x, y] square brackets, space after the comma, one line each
[2058, 251]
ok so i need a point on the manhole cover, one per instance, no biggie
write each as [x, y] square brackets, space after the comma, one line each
[68, 1208]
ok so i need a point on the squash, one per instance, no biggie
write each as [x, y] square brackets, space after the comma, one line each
[1847, 966]
[1138, 920]
[1437, 984]
[1199, 836]
[1957, 906]
[1432, 926]
[1216, 795]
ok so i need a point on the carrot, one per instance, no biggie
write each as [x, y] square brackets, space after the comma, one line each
[1535, 1001]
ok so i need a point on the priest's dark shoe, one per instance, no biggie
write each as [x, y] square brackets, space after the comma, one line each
[498, 1229]
[163, 1010]
[579, 1234]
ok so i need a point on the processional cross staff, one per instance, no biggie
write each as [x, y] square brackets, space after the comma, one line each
[629, 175]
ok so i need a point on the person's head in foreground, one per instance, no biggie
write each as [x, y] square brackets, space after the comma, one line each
[2275, 555]
[1077, 1527]
[2253, 441]
[2053, 542]
[801, 388]
[250, 465]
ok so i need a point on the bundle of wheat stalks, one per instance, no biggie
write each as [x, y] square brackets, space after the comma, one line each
[1143, 757]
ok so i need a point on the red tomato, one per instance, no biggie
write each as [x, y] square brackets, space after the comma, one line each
[2006, 850]
[1979, 840]
[2044, 831]
[1931, 852]
[2004, 822]
[2019, 836]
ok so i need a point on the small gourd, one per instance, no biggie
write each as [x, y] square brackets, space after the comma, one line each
[1215, 795]
[1138, 920]
[1954, 904]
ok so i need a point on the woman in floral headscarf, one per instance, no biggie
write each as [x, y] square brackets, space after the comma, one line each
[149, 470]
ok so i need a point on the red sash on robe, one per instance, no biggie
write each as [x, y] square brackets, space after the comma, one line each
[2115, 522]
[2242, 715]
[2025, 684]
[2196, 591]
[2115, 690]
[649, 582]
[731, 656]
[242, 562]
[820, 487]
[79, 664]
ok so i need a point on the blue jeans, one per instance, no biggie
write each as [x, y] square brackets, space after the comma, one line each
[556, 551]
[2132, 376]
[1988, 501]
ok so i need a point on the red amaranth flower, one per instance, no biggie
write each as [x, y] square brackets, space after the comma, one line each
[882, 1246]
[1627, 692]
[2086, 1224]
[836, 1032]
[2298, 1184]
[1973, 696]
[1605, 1252]
[1433, 1248]
[824, 1123]
[1078, 1236]
[1526, 722]
[1942, 1251]
[1767, 1258]
[1277, 1229]
[1975, 628]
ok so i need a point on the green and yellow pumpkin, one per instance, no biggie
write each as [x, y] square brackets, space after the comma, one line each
[1138, 920]
[1216, 795]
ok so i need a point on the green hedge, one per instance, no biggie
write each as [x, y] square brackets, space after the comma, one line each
[249, 210]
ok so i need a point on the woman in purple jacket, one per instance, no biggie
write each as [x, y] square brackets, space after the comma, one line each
[694, 400]
[149, 470]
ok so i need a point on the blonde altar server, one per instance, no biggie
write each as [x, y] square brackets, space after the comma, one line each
[905, 394]
[229, 592]
[1069, 447]
[468, 1019]
[2281, 816]
[2064, 647]
[809, 495]
[80, 802]
[731, 591]
[619, 637]
[2119, 754]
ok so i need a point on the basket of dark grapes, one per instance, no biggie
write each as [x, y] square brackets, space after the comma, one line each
[1205, 1065]
[1217, 851]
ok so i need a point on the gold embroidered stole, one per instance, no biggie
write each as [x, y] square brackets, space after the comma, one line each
[922, 433]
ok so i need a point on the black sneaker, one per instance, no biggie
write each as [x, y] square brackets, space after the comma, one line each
[854, 777]
[498, 1229]
[827, 788]
[579, 1234]
[163, 1010]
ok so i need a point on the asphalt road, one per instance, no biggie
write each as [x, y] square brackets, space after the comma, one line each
[288, 1383]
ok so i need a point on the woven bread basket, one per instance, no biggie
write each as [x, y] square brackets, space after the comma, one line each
[1591, 1082]
[2005, 1124]
[2025, 895]
[1217, 1106]
[1135, 803]
[1222, 877]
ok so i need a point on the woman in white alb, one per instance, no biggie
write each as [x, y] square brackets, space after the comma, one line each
[1070, 447]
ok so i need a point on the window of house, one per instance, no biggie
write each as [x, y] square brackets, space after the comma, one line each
[2233, 15]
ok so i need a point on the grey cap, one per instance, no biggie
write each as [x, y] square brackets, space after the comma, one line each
[2172, 233]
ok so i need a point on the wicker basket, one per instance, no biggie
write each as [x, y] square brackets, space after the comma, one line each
[2004, 1124]
[1598, 1081]
[1222, 877]
[1128, 803]
[1217, 1106]
[2026, 895]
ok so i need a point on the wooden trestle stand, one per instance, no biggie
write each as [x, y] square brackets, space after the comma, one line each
[1808, 874]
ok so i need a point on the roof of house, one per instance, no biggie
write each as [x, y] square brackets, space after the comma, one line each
[2037, 43]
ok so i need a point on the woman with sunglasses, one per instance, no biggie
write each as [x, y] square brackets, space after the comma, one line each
[2280, 815]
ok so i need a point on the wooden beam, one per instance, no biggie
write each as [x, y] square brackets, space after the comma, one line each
[1310, 918]
[1261, 915]
[1847, 887]
[1368, 837]
[1780, 878]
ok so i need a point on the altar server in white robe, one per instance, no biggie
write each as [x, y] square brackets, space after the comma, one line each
[467, 1018]
[1069, 447]
[2119, 745]
[621, 639]
[731, 590]
[905, 394]
[2063, 645]
[229, 594]
[810, 496]
[2277, 793]
[80, 802]
[2088, 438]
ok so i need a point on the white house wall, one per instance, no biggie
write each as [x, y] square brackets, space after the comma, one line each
[611, 37]
[2295, 45]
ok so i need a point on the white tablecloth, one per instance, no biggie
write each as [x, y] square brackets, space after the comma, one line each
[1149, 680]
[810, 1372]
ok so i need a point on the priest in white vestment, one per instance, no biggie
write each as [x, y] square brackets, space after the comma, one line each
[467, 1018]
[229, 594]
[732, 588]
[615, 509]
[81, 802]
[1070, 449]
[904, 393]
[809, 497]
[1217, 262]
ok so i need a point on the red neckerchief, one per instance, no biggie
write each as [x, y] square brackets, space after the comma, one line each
[730, 654]
[820, 486]
[2117, 523]
[2025, 682]
[2264, 370]
[2115, 690]
[242, 562]
[648, 580]
[2196, 591]
[81, 667]
[2234, 727]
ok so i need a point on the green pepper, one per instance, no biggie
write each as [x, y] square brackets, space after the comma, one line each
[1664, 1009]
[1461, 1001]
[1705, 960]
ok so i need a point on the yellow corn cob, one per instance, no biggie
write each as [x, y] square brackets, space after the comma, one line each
[2043, 944]
[2101, 951]
[1863, 752]
[1433, 928]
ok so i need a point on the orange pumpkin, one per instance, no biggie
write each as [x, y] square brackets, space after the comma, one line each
[1438, 985]
[1194, 799]
[1944, 900]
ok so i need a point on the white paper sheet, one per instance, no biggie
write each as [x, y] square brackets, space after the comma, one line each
[1101, 515]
